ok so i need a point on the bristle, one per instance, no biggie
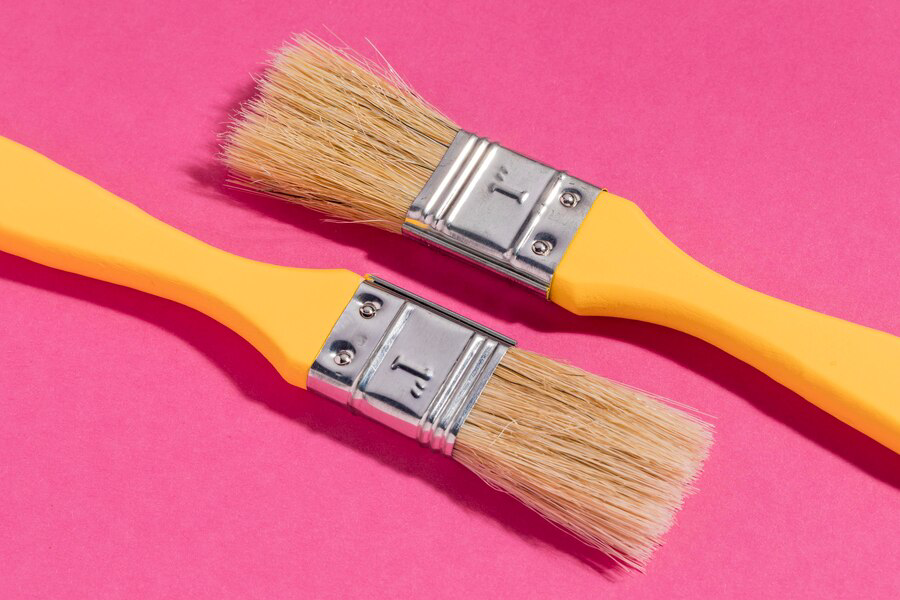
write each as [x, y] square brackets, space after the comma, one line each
[337, 133]
[604, 461]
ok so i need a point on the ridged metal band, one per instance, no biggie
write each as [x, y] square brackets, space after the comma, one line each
[500, 209]
[407, 363]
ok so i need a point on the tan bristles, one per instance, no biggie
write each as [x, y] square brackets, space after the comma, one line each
[339, 134]
[608, 463]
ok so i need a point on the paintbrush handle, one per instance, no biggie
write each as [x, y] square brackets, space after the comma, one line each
[55, 217]
[619, 264]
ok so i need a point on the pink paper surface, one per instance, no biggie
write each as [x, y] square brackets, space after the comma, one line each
[147, 452]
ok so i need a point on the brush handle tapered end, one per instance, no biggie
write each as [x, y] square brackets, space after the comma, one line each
[619, 264]
[55, 217]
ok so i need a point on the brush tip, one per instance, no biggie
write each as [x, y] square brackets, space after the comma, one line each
[337, 133]
[606, 462]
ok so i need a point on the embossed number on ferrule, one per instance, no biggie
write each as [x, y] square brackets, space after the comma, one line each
[421, 375]
[518, 195]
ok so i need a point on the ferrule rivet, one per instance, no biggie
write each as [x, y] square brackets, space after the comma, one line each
[368, 310]
[541, 247]
[343, 358]
[569, 198]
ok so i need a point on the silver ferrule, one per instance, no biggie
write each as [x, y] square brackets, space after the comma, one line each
[500, 209]
[407, 363]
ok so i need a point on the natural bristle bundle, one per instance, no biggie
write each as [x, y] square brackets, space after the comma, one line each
[608, 463]
[339, 134]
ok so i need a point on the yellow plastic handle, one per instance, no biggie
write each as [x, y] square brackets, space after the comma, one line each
[620, 265]
[52, 216]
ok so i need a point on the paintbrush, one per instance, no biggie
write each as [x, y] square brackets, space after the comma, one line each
[607, 462]
[343, 135]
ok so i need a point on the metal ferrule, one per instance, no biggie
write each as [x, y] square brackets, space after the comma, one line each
[500, 209]
[407, 363]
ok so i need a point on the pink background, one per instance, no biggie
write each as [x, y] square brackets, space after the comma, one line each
[146, 451]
